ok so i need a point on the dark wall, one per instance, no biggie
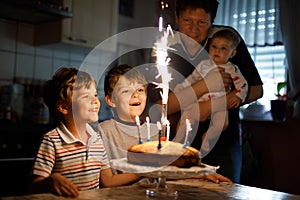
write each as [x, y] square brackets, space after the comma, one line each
[18, 146]
[275, 148]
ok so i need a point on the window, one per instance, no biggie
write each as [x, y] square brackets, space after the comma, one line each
[258, 24]
[270, 62]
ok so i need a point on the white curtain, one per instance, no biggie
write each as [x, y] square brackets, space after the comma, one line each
[290, 16]
[256, 20]
[289, 19]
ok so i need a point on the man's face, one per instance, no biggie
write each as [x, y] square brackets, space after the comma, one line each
[194, 23]
[129, 99]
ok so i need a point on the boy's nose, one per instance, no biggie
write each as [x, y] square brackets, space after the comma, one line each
[135, 94]
[95, 100]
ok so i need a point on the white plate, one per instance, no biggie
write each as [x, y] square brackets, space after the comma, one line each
[170, 172]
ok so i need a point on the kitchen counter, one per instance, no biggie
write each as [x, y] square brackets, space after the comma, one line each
[187, 189]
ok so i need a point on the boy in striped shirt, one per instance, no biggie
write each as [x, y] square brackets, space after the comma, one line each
[72, 156]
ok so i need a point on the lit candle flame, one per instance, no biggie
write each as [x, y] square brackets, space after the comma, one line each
[188, 129]
[148, 129]
[168, 130]
[137, 120]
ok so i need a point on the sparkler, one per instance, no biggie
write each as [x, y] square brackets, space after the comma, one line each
[161, 49]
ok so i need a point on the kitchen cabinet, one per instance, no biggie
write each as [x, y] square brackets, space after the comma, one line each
[93, 21]
[19, 144]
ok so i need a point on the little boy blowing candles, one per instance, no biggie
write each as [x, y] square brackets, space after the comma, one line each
[126, 92]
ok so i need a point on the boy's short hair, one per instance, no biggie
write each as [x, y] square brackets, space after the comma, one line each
[114, 74]
[59, 89]
[210, 6]
[230, 35]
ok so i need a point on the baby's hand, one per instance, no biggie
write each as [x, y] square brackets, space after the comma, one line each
[233, 101]
[62, 186]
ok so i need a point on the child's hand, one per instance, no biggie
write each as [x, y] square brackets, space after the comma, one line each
[215, 178]
[233, 101]
[62, 186]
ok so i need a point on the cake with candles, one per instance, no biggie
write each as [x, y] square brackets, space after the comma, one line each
[163, 153]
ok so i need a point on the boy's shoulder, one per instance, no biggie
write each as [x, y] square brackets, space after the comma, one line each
[107, 123]
[52, 133]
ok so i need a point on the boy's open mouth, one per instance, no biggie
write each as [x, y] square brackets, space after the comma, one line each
[135, 104]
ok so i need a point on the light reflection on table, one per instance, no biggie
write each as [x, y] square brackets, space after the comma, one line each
[188, 189]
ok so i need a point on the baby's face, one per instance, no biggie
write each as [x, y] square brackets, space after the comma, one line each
[129, 99]
[220, 50]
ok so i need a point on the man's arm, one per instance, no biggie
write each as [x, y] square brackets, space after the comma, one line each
[213, 81]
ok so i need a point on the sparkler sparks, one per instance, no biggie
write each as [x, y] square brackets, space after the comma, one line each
[161, 50]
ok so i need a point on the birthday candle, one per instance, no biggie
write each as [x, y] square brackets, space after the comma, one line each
[137, 120]
[188, 129]
[148, 129]
[159, 135]
[160, 24]
[168, 130]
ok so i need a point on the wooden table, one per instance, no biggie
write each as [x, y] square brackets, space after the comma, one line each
[187, 189]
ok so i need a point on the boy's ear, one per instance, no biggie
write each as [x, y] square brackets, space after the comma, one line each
[109, 102]
[63, 108]
[233, 53]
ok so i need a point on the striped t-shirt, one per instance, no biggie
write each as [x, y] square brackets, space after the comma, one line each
[60, 152]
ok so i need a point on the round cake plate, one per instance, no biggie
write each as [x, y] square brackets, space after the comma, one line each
[162, 173]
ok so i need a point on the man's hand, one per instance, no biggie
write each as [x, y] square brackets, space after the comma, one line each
[218, 80]
[227, 80]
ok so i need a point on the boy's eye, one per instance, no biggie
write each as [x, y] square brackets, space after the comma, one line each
[124, 91]
[213, 46]
[141, 90]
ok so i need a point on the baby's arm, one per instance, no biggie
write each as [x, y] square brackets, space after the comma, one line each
[239, 81]
[192, 78]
